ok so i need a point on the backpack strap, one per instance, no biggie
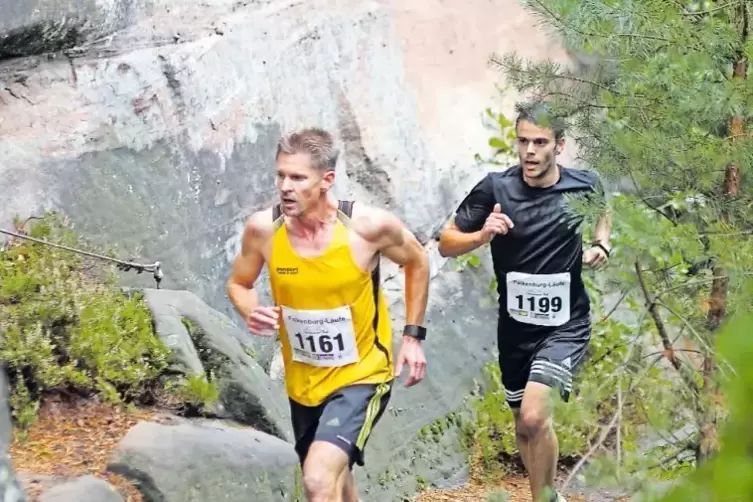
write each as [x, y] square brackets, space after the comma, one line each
[277, 218]
[346, 207]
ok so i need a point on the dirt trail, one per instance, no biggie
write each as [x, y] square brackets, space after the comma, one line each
[70, 440]
[516, 487]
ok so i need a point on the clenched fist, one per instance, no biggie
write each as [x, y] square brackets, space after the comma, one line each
[496, 224]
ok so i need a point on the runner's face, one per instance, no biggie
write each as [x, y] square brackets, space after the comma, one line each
[300, 186]
[537, 149]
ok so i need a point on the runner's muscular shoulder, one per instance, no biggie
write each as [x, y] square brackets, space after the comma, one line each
[257, 235]
[380, 231]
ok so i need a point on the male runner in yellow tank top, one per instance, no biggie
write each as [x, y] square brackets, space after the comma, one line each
[323, 260]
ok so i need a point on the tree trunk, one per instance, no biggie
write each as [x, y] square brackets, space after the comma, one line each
[708, 442]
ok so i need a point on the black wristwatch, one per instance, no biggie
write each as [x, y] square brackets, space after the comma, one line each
[418, 332]
[600, 245]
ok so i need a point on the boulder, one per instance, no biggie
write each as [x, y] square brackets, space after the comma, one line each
[195, 331]
[83, 489]
[192, 462]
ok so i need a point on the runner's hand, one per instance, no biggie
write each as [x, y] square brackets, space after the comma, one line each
[594, 257]
[263, 321]
[411, 354]
[496, 224]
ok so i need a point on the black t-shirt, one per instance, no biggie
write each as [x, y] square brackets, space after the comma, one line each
[546, 239]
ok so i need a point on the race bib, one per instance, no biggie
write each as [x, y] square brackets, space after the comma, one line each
[323, 338]
[542, 299]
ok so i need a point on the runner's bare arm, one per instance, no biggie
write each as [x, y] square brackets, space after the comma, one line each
[249, 262]
[603, 229]
[454, 242]
[465, 231]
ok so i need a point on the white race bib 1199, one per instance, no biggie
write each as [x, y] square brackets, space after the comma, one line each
[323, 338]
[541, 299]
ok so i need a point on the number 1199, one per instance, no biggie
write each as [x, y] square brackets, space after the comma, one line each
[544, 303]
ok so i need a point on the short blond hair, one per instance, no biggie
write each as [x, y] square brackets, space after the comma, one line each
[314, 141]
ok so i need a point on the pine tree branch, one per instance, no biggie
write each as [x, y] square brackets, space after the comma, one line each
[512, 64]
[669, 352]
[651, 305]
[693, 331]
[693, 351]
[711, 11]
[569, 26]
[614, 307]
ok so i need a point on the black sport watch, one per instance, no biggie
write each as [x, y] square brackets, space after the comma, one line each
[418, 332]
[597, 244]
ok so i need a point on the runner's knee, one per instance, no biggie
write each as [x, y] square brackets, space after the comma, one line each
[319, 482]
[322, 470]
[532, 421]
[535, 415]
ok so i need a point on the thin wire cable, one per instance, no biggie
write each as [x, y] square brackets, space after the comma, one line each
[155, 268]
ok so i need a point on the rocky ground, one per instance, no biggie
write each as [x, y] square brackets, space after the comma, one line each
[75, 439]
[114, 454]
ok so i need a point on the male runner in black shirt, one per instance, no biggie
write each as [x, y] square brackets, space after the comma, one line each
[537, 251]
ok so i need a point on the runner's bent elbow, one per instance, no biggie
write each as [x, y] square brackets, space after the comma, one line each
[454, 242]
[418, 258]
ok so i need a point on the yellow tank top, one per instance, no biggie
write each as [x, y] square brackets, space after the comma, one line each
[335, 328]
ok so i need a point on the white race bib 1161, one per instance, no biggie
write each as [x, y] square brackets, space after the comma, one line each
[323, 338]
[541, 299]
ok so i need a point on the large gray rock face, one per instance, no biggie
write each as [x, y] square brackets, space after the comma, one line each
[30, 27]
[161, 141]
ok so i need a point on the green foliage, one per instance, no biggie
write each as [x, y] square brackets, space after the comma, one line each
[196, 391]
[496, 495]
[66, 327]
[656, 108]
[202, 391]
[729, 476]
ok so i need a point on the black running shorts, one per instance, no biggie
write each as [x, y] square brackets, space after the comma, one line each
[345, 419]
[550, 358]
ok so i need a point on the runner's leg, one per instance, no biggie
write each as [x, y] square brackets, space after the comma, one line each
[514, 364]
[346, 422]
[324, 472]
[558, 356]
[348, 486]
[534, 424]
